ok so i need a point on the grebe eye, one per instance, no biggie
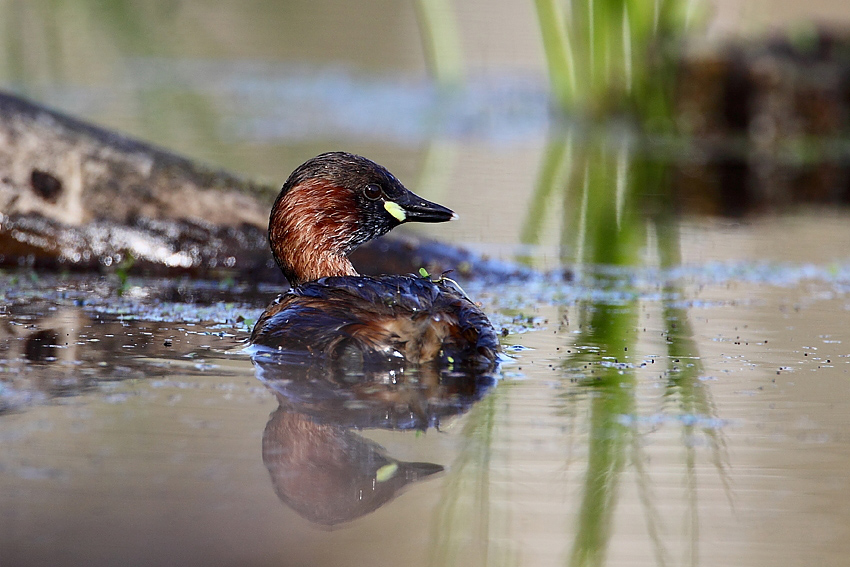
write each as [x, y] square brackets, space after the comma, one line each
[372, 192]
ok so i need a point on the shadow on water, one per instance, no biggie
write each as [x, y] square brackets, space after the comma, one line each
[319, 466]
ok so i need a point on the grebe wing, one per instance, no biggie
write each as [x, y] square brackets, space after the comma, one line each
[390, 315]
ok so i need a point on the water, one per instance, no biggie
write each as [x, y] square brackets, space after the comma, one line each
[685, 403]
[642, 442]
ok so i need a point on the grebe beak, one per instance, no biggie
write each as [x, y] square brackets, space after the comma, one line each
[413, 208]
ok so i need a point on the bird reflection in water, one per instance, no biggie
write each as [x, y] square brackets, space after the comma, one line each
[344, 351]
[319, 466]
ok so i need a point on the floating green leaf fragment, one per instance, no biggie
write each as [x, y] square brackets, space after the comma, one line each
[386, 472]
[424, 273]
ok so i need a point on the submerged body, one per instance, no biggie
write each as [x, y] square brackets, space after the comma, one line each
[385, 318]
[329, 205]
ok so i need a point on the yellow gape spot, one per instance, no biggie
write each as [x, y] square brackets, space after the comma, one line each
[386, 472]
[395, 210]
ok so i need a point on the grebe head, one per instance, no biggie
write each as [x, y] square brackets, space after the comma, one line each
[331, 204]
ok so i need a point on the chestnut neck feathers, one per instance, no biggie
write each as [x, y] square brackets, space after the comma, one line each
[310, 231]
[333, 203]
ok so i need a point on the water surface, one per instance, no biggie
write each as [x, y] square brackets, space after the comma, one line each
[691, 415]
[677, 385]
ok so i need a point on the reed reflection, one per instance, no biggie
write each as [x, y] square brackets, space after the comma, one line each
[319, 466]
[615, 201]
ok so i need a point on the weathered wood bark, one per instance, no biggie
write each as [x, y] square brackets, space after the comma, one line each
[76, 173]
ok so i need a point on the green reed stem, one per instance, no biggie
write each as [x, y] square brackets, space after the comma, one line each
[608, 57]
[441, 41]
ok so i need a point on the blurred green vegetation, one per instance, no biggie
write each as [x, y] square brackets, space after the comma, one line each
[608, 57]
[613, 69]
[441, 41]
[602, 191]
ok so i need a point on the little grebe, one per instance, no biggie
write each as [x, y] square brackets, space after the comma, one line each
[330, 205]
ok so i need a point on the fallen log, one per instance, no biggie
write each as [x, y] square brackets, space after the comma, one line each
[76, 173]
[77, 197]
